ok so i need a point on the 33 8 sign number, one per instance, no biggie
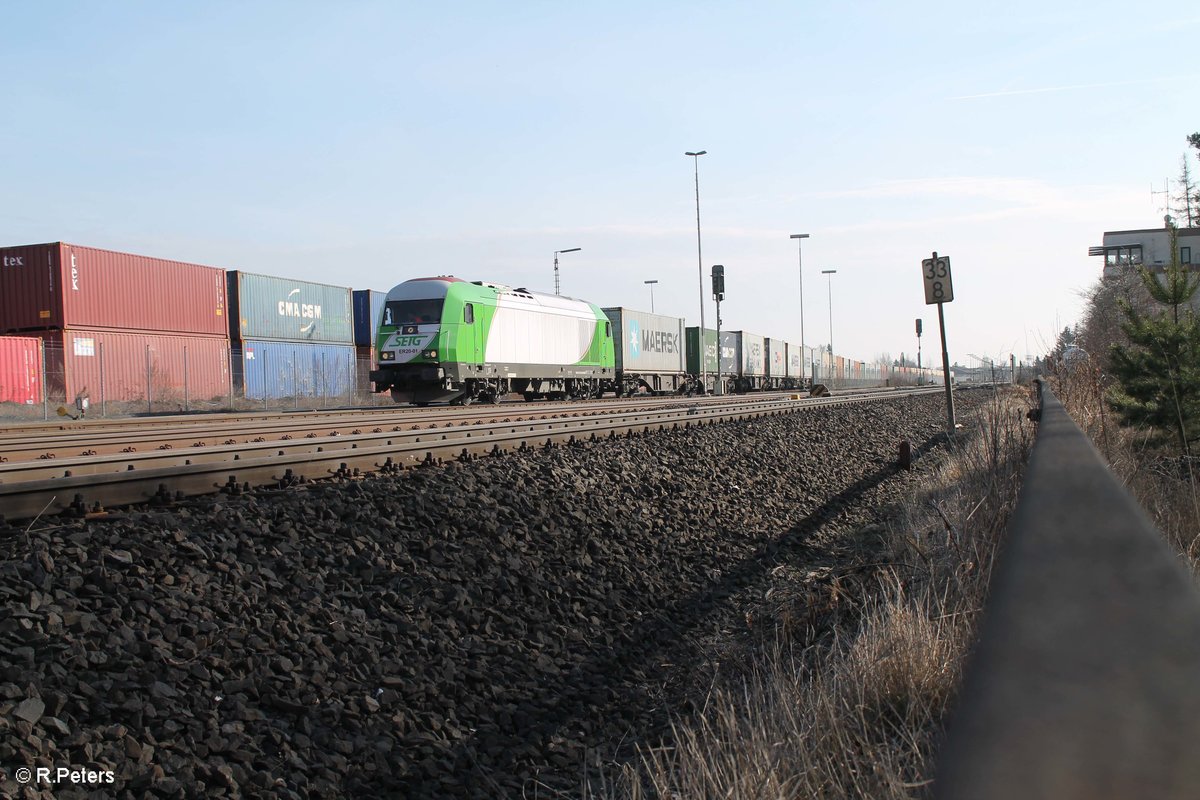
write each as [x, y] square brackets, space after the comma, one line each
[938, 286]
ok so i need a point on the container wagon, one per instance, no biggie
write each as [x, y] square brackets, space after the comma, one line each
[694, 365]
[650, 353]
[743, 361]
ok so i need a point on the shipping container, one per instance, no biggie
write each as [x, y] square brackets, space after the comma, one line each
[20, 370]
[284, 309]
[743, 354]
[59, 285]
[693, 350]
[647, 343]
[776, 366]
[798, 360]
[265, 369]
[368, 310]
[169, 371]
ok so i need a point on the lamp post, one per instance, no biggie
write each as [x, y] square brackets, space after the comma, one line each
[800, 237]
[651, 285]
[829, 280]
[700, 269]
[556, 252]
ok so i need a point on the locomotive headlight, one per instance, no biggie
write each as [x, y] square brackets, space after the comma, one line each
[429, 354]
[387, 355]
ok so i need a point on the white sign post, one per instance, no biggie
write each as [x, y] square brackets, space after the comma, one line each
[940, 290]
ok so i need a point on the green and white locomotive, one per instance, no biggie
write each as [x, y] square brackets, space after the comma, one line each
[449, 340]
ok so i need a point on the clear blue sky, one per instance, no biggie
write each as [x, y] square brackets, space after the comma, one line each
[364, 143]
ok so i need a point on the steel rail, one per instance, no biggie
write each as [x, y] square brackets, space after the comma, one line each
[190, 432]
[93, 482]
[1084, 680]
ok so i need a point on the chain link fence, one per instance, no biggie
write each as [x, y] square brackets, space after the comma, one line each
[90, 379]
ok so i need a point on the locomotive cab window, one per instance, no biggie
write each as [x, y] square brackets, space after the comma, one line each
[468, 313]
[412, 312]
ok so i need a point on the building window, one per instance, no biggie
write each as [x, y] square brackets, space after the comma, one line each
[1122, 256]
[1185, 255]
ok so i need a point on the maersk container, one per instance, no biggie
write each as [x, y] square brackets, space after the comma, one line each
[776, 351]
[20, 370]
[288, 310]
[647, 343]
[59, 285]
[368, 310]
[264, 369]
[693, 350]
[167, 370]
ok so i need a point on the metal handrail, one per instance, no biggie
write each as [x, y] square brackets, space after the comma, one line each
[1085, 682]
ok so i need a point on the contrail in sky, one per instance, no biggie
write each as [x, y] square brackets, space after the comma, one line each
[1066, 88]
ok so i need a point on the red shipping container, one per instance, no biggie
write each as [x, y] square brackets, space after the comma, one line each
[20, 370]
[110, 366]
[60, 285]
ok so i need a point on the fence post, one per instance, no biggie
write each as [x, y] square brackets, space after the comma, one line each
[149, 398]
[45, 383]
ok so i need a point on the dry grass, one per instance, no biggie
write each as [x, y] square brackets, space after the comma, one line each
[852, 705]
[1167, 487]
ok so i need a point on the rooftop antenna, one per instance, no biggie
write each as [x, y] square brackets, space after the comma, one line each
[1166, 191]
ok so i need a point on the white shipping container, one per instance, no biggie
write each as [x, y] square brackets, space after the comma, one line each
[647, 343]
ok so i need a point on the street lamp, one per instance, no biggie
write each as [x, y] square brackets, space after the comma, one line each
[700, 270]
[556, 252]
[829, 279]
[651, 285]
[800, 237]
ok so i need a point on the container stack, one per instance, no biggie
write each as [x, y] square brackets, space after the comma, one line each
[119, 327]
[290, 338]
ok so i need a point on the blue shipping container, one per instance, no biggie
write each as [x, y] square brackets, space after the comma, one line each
[288, 310]
[368, 308]
[267, 370]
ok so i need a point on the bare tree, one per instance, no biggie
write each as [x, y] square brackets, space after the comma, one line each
[1188, 199]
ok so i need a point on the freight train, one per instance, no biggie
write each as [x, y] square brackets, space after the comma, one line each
[445, 339]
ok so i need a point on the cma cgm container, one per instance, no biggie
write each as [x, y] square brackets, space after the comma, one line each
[693, 350]
[59, 285]
[20, 370]
[649, 350]
[111, 366]
[285, 309]
[264, 370]
[368, 310]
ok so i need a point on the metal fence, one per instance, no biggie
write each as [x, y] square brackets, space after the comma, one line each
[1085, 682]
[102, 383]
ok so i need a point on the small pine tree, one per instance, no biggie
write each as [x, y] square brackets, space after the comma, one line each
[1158, 373]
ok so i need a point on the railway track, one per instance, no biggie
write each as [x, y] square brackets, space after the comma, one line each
[133, 463]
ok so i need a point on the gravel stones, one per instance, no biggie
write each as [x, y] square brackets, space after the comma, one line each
[476, 629]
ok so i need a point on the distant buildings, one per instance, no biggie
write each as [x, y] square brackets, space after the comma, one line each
[1151, 246]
